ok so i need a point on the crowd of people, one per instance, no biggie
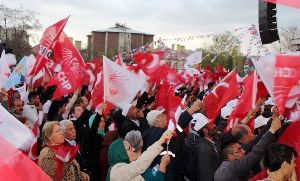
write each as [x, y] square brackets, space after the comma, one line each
[134, 143]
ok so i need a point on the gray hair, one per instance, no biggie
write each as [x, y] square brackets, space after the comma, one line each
[134, 138]
[63, 124]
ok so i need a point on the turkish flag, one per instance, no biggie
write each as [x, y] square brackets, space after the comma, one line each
[120, 85]
[151, 64]
[244, 103]
[286, 81]
[47, 44]
[291, 3]
[225, 91]
[71, 76]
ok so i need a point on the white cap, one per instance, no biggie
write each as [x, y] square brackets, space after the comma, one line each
[151, 116]
[200, 121]
[269, 102]
[232, 103]
[260, 121]
[226, 111]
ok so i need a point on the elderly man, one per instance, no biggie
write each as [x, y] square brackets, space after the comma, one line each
[70, 135]
[236, 165]
[126, 161]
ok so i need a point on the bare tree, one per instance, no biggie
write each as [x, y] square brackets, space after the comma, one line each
[17, 25]
[286, 35]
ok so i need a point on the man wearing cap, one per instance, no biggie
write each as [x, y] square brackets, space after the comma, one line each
[134, 120]
[208, 147]
[157, 120]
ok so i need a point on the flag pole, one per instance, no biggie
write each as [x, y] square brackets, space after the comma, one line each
[254, 90]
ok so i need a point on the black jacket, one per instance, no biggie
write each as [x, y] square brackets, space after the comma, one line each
[240, 170]
[82, 132]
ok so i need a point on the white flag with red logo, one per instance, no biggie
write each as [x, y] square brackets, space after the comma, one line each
[72, 73]
[47, 44]
[120, 85]
[225, 91]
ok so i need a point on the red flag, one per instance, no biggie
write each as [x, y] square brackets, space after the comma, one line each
[291, 137]
[171, 76]
[286, 81]
[220, 71]
[47, 44]
[225, 91]
[244, 104]
[72, 74]
[151, 64]
[291, 3]
[98, 95]
[93, 67]
[14, 165]
[161, 99]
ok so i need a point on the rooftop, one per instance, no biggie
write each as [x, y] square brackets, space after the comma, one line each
[121, 28]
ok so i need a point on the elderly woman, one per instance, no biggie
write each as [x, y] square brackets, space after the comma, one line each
[56, 158]
[127, 163]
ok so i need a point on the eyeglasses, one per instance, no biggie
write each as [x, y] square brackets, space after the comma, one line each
[58, 131]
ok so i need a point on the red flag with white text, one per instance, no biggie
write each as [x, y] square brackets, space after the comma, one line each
[47, 44]
[71, 76]
[286, 81]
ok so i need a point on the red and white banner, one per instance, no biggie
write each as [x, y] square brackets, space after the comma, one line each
[280, 75]
[120, 85]
[72, 73]
[47, 44]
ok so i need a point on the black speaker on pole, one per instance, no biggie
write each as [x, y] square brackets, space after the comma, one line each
[267, 22]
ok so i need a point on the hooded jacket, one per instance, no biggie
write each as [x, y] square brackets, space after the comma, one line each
[120, 168]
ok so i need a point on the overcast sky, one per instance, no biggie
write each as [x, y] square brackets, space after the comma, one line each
[164, 18]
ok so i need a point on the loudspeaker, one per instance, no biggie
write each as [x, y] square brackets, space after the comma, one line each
[267, 22]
